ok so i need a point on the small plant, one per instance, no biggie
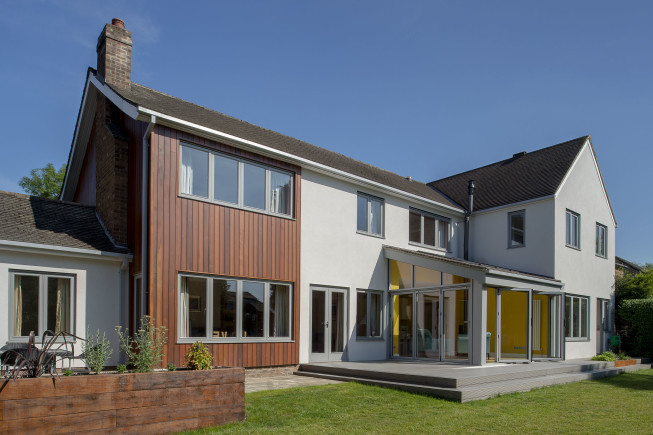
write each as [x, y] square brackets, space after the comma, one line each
[605, 356]
[96, 351]
[622, 356]
[145, 350]
[67, 372]
[121, 368]
[171, 367]
[198, 357]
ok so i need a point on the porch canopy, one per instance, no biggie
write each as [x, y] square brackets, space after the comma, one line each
[478, 278]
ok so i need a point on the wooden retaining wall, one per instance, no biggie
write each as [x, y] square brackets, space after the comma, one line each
[141, 403]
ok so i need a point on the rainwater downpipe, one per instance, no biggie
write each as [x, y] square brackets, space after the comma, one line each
[144, 214]
[468, 213]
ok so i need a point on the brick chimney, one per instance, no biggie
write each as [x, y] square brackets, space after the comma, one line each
[114, 54]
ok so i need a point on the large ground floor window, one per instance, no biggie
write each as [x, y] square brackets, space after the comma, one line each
[41, 302]
[577, 317]
[222, 309]
[369, 309]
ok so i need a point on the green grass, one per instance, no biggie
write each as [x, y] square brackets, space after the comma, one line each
[619, 404]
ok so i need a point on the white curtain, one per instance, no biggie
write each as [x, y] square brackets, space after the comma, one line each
[186, 171]
[184, 319]
[63, 305]
[18, 306]
[281, 302]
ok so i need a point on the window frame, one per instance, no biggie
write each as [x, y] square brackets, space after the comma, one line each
[42, 303]
[209, 338]
[240, 182]
[568, 242]
[600, 228]
[438, 219]
[511, 242]
[368, 310]
[369, 198]
[570, 320]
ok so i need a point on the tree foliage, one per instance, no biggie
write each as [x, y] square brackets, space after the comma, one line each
[44, 182]
[638, 286]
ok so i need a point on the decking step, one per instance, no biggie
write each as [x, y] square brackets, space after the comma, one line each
[483, 390]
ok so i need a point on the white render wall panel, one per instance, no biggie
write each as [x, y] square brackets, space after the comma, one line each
[334, 254]
[582, 271]
[97, 292]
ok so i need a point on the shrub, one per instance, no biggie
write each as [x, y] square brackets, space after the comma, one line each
[636, 320]
[96, 350]
[622, 356]
[605, 356]
[67, 372]
[121, 368]
[171, 367]
[198, 357]
[145, 350]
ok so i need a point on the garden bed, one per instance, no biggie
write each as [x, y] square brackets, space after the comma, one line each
[127, 403]
[625, 362]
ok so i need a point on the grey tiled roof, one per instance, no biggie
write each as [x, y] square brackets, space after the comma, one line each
[30, 219]
[527, 176]
[178, 108]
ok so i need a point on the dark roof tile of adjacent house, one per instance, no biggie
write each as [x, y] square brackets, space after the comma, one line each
[523, 177]
[30, 219]
[184, 110]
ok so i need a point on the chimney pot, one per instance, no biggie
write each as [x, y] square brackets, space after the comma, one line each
[118, 23]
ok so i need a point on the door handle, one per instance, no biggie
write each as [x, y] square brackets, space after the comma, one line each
[326, 324]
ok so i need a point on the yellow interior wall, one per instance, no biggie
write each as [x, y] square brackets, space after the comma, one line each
[513, 322]
[544, 325]
[491, 325]
[395, 325]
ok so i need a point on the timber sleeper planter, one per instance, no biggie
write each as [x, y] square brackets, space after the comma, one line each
[625, 362]
[156, 402]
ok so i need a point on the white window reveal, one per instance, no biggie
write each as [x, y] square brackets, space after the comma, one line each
[218, 309]
[517, 229]
[369, 215]
[369, 306]
[573, 230]
[577, 318]
[232, 181]
[41, 302]
[601, 240]
[428, 229]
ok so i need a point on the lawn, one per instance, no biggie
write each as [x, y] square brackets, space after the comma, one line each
[619, 404]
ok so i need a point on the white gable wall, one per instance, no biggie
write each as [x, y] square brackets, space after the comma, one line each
[334, 254]
[583, 272]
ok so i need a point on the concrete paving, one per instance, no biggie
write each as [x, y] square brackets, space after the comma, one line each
[253, 384]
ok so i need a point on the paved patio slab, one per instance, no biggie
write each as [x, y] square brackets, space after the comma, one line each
[283, 381]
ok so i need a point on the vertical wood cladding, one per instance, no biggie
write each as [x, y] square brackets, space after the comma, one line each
[187, 235]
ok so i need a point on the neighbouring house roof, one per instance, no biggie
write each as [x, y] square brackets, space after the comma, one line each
[159, 102]
[523, 177]
[626, 265]
[472, 264]
[40, 221]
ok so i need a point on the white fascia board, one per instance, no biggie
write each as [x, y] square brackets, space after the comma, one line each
[38, 248]
[75, 136]
[588, 144]
[262, 149]
[513, 204]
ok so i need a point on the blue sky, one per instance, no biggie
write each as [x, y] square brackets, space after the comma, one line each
[425, 89]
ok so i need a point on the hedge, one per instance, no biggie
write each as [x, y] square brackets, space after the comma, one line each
[636, 317]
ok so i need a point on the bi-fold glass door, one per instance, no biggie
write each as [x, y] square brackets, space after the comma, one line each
[431, 324]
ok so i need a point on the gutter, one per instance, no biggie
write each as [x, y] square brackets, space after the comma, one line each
[144, 201]
[61, 250]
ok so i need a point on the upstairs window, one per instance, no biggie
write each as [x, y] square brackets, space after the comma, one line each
[428, 229]
[235, 182]
[573, 230]
[369, 215]
[516, 229]
[601, 240]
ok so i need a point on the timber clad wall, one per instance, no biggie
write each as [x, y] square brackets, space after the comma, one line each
[198, 237]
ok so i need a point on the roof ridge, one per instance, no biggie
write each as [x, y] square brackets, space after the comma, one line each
[537, 151]
[40, 198]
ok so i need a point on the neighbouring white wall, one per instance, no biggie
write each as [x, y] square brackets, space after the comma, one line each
[489, 238]
[335, 255]
[582, 271]
[97, 292]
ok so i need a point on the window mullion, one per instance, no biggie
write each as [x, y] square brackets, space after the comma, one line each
[209, 308]
[268, 181]
[211, 177]
[266, 310]
[239, 309]
[241, 181]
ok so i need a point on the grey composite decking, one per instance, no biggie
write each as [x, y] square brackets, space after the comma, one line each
[463, 383]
